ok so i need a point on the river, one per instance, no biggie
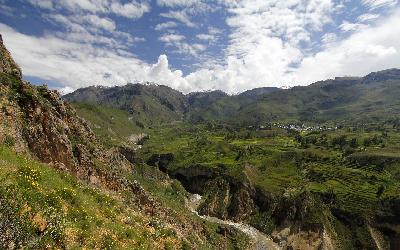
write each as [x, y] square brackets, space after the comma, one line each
[260, 240]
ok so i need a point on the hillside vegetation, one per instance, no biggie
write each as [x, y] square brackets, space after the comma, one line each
[343, 182]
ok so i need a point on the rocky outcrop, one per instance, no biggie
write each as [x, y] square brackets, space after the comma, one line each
[7, 63]
[225, 197]
[302, 221]
[36, 121]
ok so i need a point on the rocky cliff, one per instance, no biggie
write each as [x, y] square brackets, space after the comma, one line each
[36, 121]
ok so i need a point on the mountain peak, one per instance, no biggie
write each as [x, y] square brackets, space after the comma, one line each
[383, 75]
[7, 63]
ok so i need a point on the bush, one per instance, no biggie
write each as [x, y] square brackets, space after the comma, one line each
[263, 222]
[9, 141]
[15, 231]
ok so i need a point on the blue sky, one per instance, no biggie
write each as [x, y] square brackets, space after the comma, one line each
[193, 45]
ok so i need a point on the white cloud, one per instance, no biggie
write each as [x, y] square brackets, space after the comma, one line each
[132, 9]
[263, 49]
[375, 4]
[206, 37]
[371, 49]
[214, 31]
[329, 38]
[270, 44]
[170, 38]
[45, 4]
[180, 16]
[160, 73]
[166, 25]
[175, 3]
[89, 29]
[66, 90]
[367, 17]
[98, 22]
[347, 26]
[182, 47]
[189, 49]
[212, 36]
[75, 65]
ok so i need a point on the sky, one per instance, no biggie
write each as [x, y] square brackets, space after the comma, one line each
[196, 45]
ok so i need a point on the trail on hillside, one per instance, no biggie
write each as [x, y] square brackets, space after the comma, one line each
[260, 240]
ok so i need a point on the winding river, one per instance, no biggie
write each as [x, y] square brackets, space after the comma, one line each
[260, 240]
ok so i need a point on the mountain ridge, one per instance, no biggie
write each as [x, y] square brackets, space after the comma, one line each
[318, 102]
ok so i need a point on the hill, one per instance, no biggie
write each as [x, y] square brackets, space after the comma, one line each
[140, 100]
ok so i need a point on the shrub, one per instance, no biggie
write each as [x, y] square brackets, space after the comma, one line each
[9, 141]
[263, 222]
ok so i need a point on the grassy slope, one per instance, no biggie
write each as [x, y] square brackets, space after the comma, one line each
[148, 105]
[44, 207]
[112, 126]
[76, 215]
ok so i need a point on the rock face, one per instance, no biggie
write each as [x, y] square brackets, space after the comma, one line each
[7, 63]
[35, 120]
[302, 222]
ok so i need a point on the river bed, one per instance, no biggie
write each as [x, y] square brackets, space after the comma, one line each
[260, 240]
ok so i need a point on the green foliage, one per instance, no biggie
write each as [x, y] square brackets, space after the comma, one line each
[112, 126]
[9, 141]
[41, 207]
[334, 165]
[263, 221]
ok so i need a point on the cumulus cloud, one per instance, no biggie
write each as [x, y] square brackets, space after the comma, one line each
[166, 25]
[371, 49]
[130, 10]
[261, 55]
[76, 65]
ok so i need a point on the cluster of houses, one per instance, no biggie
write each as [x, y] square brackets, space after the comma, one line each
[296, 127]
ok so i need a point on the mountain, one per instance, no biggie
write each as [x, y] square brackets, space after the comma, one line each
[341, 100]
[163, 103]
[61, 188]
[254, 93]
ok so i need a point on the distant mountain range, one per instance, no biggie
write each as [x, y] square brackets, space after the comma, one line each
[373, 97]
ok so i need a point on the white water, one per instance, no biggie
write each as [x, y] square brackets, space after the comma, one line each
[260, 240]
